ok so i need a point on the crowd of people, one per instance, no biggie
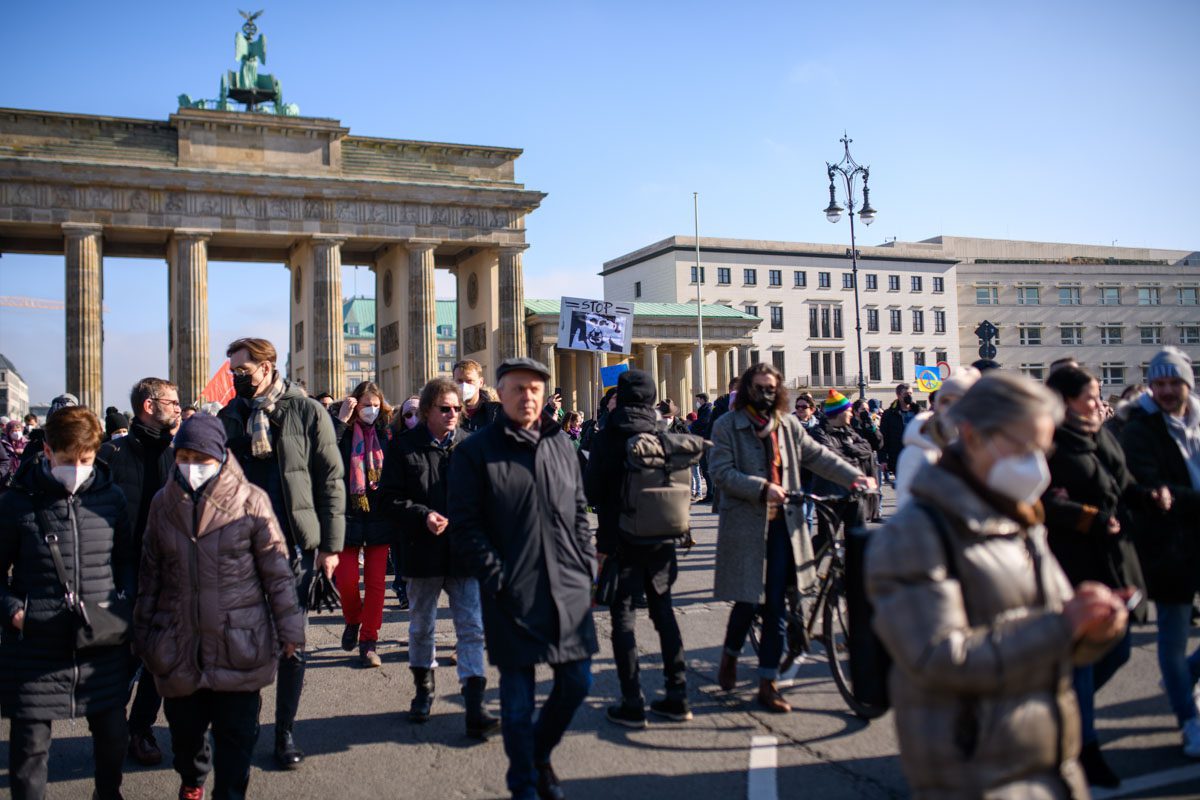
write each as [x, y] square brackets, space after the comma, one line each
[167, 559]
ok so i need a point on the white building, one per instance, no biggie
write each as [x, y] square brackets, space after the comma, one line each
[805, 295]
[14, 394]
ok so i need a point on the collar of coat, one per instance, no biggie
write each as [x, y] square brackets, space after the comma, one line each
[547, 427]
[948, 487]
[222, 501]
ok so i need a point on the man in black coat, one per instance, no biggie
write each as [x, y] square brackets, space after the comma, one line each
[140, 464]
[518, 521]
[892, 424]
[651, 567]
[703, 427]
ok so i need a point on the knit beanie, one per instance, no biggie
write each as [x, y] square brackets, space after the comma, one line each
[204, 434]
[62, 401]
[114, 422]
[835, 403]
[635, 387]
[1171, 362]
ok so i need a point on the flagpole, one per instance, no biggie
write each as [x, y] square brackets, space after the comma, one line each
[703, 372]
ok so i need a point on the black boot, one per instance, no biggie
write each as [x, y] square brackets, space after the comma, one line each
[1096, 768]
[422, 702]
[480, 724]
[287, 755]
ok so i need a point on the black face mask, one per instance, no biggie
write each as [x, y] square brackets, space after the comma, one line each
[243, 385]
[763, 400]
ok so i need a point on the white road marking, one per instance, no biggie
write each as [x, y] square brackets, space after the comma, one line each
[763, 761]
[1142, 783]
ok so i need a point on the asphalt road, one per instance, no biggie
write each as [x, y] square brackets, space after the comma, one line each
[360, 745]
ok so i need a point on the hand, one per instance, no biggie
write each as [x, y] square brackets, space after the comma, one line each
[436, 523]
[1162, 498]
[289, 650]
[1114, 526]
[346, 411]
[327, 563]
[776, 496]
[18, 619]
[864, 483]
[1095, 613]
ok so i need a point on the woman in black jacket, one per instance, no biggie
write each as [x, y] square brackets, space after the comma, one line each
[362, 430]
[838, 434]
[1090, 532]
[43, 676]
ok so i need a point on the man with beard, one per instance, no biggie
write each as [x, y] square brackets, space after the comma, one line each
[140, 464]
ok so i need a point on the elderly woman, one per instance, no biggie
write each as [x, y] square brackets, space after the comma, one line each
[977, 615]
[758, 450]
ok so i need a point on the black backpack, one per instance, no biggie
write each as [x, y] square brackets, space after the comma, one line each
[656, 496]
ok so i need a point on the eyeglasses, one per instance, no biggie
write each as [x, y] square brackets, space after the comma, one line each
[409, 414]
[449, 409]
[802, 406]
[1024, 448]
[169, 403]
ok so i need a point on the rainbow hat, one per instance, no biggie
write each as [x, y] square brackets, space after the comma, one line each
[835, 403]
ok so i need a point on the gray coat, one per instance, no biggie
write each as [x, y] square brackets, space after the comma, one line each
[738, 465]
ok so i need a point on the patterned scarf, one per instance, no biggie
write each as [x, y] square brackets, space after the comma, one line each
[366, 464]
[767, 429]
[258, 426]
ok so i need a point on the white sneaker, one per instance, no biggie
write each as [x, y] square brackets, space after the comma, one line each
[1191, 738]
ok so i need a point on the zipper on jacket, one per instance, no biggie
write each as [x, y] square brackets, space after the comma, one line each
[287, 501]
[71, 501]
[194, 572]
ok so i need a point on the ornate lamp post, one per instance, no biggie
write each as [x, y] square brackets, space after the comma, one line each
[850, 170]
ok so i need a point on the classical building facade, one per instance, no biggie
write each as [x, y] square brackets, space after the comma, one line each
[300, 192]
[804, 295]
[358, 314]
[14, 394]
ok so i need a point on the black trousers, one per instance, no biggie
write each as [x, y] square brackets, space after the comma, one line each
[290, 683]
[233, 717]
[146, 702]
[29, 754]
[653, 570]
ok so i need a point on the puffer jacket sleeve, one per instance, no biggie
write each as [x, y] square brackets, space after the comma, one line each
[822, 461]
[329, 490]
[468, 536]
[921, 617]
[124, 557]
[274, 570]
[149, 577]
[722, 468]
[10, 539]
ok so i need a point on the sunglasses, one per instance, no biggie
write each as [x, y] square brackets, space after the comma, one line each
[449, 409]
[409, 414]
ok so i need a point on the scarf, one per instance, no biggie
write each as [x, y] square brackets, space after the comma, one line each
[366, 464]
[767, 429]
[1184, 430]
[258, 426]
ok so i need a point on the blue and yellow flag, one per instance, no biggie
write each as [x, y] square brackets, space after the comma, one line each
[928, 379]
[609, 375]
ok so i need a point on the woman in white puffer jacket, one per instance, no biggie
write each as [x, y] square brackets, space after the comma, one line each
[923, 440]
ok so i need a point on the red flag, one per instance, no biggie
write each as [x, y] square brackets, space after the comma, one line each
[220, 386]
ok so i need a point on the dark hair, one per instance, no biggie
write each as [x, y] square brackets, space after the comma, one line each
[72, 431]
[609, 395]
[148, 389]
[363, 389]
[747, 380]
[1069, 382]
[259, 349]
[808, 398]
[902, 388]
[323, 395]
[668, 408]
[702, 396]
[432, 392]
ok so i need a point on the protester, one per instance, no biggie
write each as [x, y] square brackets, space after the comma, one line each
[519, 522]
[361, 428]
[670, 415]
[697, 482]
[285, 445]
[593, 426]
[140, 464]
[415, 485]
[923, 439]
[479, 403]
[34, 446]
[806, 413]
[62, 502]
[978, 617]
[892, 425]
[409, 416]
[838, 435]
[722, 404]
[216, 606]
[651, 567]
[12, 445]
[1126, 405]
[187, 412]
[1161, 441]
[703, 427]
[116, 425]
[326, 400]
[1090, 533]
[757, 455]
[573, 425]
[31, 424]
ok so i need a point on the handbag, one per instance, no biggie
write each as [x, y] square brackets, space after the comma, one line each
[95, 625]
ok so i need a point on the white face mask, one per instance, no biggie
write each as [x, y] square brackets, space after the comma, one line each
[468, 391]
[369, 414]
[72, 477]
[197, 475]
[1020, 478]
[116, 436]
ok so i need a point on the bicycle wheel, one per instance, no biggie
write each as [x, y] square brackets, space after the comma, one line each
[837, 648]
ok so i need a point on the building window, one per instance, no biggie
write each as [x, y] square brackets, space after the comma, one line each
[847, 280]
[441, 349]
[1068, 296]
[814, 325]
[918, 320]
[1189, 334]
[700, 271]
[776, 318]
[872, 281]
[939, 285]
[1151, 334]
[987, 295]
[1148, 296]
[824, 321]
[755, 357]
[799, 279]
[939, 321]
[897, 365]
[1112, 374]
[837, 322]
[353, 348]
[752, 310]
[872, 320]
[893, 283]
[874, 368]
[1029, 296]
[916, 283]
[826, 328]
[1188, 295]
[775, 277]
[778, 358]
[1035, 371]
[918, 358]
[1110, 334]
[815, 368]
[352, 329]
[1110, 295]
[894, 319]
[1072, 334]
[939, 357]
[724, 276]
[637, 289]
[1029, 334]
[750, 277]
[824, 280]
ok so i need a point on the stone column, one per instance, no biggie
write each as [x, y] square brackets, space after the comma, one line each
[743, 358]
[326, 338]
[546, 356]
[583, 379]
[422, 313]
[650, 364]
[511, 339]
[699, 382]
[187, 294]
[722, 369]
[566, 378]
[84, 250]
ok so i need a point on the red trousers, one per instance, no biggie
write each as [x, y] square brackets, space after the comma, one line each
[365, 611]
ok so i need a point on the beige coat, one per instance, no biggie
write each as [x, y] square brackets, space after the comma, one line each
[981, 683]
[737, 464]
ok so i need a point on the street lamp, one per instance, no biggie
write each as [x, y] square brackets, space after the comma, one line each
[850, 170]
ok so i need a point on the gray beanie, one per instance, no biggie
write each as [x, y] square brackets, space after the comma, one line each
[1171, 362]
[66, 400]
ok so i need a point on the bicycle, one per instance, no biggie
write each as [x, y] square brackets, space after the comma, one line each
[820, 613]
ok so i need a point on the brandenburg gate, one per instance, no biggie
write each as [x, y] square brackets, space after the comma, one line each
[259, 187]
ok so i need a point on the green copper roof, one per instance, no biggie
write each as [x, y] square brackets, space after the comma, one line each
[650, 310]
[447, 314]
[359, 311]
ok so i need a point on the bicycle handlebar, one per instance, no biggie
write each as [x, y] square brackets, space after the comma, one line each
[797, 498]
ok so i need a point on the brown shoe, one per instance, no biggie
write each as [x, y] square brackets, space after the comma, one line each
[770, 698]
[727, 672]
[144, 750]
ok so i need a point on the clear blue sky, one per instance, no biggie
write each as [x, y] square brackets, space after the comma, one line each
[1062, 121]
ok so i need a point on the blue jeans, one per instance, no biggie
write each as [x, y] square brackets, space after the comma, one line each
[1179, 670]
[1090, 679]
[696, 487]
[423, 594]
[527, 744]
[781, 571]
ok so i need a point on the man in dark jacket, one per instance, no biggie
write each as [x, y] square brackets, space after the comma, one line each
[651, 567]
[140, 464]
[519, 522]
[478, 410]
[892, 424]
[703, 427]
[285, 443]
